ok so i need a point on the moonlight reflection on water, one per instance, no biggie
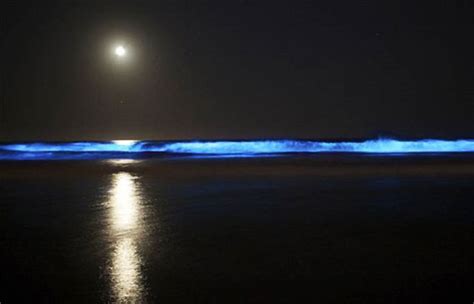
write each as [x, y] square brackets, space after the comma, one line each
[125, 261]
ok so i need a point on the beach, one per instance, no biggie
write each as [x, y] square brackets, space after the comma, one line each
[329, 228]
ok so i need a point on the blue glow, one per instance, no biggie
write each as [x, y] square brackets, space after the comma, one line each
[297, 146]
[261, 148]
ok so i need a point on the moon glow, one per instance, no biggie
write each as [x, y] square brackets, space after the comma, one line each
[120, 51]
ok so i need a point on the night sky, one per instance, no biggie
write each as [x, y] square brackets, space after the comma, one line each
[237, 69]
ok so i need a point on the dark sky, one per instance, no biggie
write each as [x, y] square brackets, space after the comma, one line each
[237, 69]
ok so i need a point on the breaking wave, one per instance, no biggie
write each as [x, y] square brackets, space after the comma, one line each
[73, 150]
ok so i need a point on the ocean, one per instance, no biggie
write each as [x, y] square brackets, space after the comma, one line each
[236, 228]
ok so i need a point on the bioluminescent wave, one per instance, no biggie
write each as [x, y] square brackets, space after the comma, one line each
[259, 148]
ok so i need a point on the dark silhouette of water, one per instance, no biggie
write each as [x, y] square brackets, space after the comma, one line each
[332, 229]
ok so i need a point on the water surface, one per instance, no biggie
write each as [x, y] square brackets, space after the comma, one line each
[333, 229]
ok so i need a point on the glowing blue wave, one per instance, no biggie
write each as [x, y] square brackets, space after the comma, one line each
[124, 149]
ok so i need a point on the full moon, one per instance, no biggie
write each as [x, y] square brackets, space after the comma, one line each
[120, 51]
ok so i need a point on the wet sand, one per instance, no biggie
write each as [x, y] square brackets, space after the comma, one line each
[331, 229]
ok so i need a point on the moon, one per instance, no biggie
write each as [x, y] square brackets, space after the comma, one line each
[120, 51]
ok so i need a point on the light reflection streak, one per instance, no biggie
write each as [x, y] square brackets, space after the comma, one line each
[124, 228]
[124, 202]
[126, 276]
[122, 161]
[124, 142]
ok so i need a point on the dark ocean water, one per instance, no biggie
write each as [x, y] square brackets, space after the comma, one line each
[325, 229]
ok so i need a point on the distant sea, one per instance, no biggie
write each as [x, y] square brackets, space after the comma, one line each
[126, 225]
